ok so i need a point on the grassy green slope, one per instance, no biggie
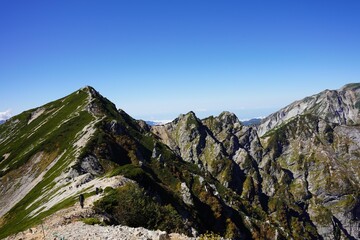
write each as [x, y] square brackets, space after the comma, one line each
[124, 148]
[52, 134]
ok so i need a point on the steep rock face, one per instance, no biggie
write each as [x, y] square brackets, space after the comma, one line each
[336, 106]
[312, 161]
[304, 174]
[235, 137]
[315, 141]
[299, 180]
[220, 145]
[195, 143]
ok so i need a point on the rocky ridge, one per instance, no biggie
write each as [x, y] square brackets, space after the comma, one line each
[305, 165]
[296, 176]
[336, 106]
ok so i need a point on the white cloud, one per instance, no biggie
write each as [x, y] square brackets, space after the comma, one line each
[5, 115]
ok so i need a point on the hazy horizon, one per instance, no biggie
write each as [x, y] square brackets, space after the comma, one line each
[158, 59]
[242, 114]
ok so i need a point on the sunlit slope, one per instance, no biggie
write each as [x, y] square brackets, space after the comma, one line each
[36, 146]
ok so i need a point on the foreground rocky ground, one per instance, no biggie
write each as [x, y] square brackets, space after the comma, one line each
[66, 225]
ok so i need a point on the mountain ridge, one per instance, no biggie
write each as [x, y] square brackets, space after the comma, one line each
[298, 179]
[336, 106]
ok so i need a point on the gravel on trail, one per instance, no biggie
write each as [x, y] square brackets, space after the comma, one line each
[66, 224]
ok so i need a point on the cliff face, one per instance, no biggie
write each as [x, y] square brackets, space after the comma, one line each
[322, 166]
[294, 176]
[194, 142]
[302, 170]
[336, 106]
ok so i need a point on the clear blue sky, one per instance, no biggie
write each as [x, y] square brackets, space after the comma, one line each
[157, 59]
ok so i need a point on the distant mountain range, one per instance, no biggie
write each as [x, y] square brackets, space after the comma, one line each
[252, 122]
[2, 121]
[154, 123]
[294, 175]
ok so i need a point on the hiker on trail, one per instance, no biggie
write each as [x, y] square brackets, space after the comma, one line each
[97, 191]
[82, 199]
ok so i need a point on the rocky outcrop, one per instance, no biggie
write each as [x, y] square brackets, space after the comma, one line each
[186, 194]
[90, 164]
[308, 158]
[336, 106]
[296, 176]
[307, 166]
[195, 143]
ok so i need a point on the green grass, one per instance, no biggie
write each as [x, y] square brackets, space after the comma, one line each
[91, 221]
[20, 221]
[53, 138]
[57, 140]
[129, 170]
[156, 202]
[131, 206]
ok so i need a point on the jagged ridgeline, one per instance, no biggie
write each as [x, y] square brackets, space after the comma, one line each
[296, 175]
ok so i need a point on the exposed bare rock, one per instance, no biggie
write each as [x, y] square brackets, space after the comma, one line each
[144, 126]
[296, 176]
[186, 195]
[36, 114]
[90, 164]
[336, 106]
[195, 143]
[66, 224]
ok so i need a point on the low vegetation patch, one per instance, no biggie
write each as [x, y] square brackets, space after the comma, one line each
[130, 205]
[91, 221]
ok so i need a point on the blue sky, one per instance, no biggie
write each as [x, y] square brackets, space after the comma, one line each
[157, 59]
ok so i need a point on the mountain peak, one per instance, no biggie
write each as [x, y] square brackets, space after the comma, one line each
[194, 175]
[184, 117]
[227, 113]
[351, 87]
[87, 87]
[92, 91]
[228, 117]
[191, 113]
[335, 106]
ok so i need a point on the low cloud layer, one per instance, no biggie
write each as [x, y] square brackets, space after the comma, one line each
[5, 115]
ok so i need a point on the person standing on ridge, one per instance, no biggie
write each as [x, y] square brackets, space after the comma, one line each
[82, 199]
